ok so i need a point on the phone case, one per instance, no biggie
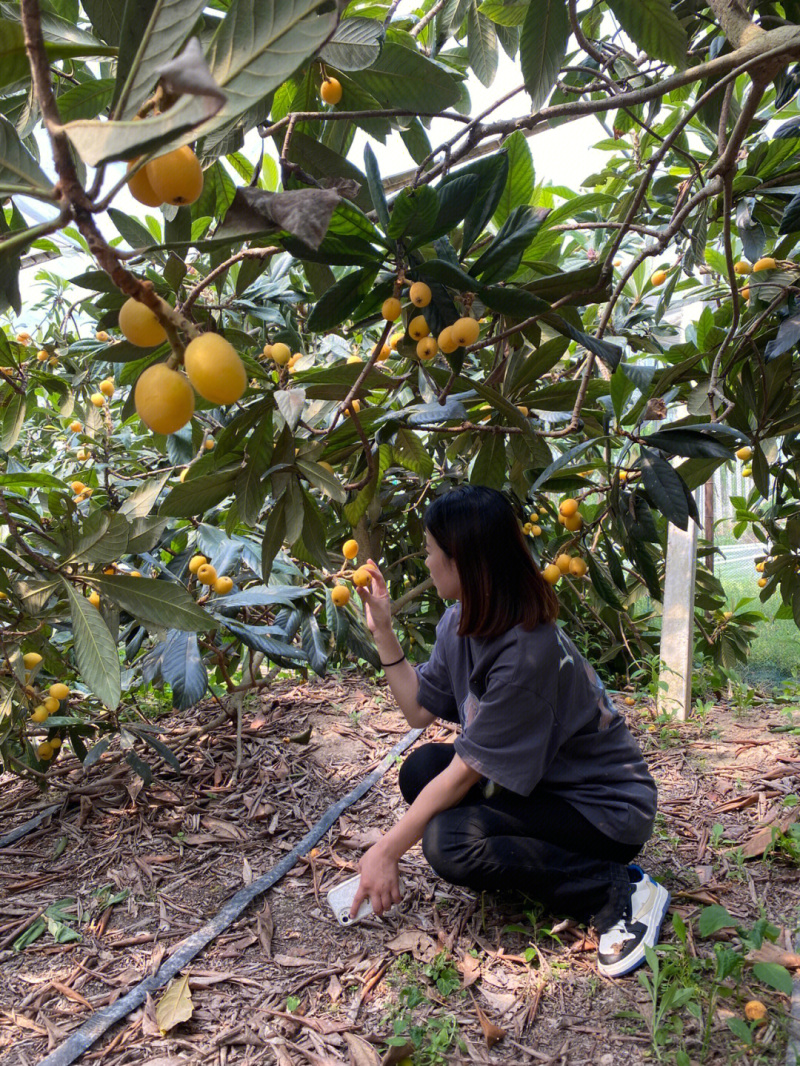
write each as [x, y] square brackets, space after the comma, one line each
[340, 900]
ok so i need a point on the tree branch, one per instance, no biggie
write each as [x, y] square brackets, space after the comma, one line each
[735, 22]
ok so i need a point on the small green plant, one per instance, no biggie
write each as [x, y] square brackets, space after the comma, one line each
[433, 1037]
[443, 974]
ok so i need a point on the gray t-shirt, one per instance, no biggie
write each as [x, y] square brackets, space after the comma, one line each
[534, 712]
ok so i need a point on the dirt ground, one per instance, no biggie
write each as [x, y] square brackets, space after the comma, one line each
[285, 983]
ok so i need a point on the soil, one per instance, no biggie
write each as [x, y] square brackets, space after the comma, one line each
[285, 983]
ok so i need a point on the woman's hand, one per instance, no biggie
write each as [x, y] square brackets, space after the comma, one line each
[375, 598]
[380, 880]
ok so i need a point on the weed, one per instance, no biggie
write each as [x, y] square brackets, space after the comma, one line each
[433, 1037]
[684, 989]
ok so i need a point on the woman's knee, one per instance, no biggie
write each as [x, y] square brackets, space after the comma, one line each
[452, 843]
[421, 766]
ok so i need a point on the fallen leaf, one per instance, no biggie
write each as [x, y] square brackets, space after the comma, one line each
[70, 993]
[175, 1006]
[247, 873]
[757, 844]
[491, 1032]
[265, 927]
[470, 969]
[500, 1001]
[335, 989]
[772, 953]
[397, 1054]
[150, 1026]
[361, 1053]
[419, 944]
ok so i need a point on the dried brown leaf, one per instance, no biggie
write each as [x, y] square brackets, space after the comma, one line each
[266, 928]
[470, 969]
[397, 1054]
[772, 953]
[492, 1033]
[175, 1006]
[150, 1026]
[361, 1053]
[417, 943]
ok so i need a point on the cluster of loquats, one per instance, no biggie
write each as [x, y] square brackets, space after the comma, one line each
[532, 528]
[164, 396]
[207, 575]
[175, 178]
[462, 333]
[47, 705]
[570, 517]
[361, 577]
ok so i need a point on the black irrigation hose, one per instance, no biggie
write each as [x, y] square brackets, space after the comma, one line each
[29, 826]
[81, 1040]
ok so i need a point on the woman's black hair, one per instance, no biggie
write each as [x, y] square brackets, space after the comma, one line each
[501, 585]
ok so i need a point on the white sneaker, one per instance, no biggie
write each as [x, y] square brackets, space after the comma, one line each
[621, 948]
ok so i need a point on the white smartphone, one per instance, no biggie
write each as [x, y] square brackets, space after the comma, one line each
[340, 900]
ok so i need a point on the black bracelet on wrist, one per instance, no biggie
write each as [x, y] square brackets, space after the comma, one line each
[385, 665]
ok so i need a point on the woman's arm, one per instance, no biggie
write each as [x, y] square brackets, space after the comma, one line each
[378, 866]
[402, 676]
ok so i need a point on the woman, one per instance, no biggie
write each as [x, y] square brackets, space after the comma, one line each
[544, 790]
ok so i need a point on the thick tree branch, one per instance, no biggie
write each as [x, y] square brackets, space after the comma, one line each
[735, 22]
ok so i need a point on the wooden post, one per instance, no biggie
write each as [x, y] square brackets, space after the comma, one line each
[677, 626]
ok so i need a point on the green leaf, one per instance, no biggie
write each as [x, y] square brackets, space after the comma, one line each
[17, 165]
[355, 45]
[654, 26]
[86, 100]
[156, 602]
[690, 442]
[274, 533]
[341, 300]
[106, 17]
[409, 451]
[13, 421]
[413, 212]
[313, 534]
[520, 182]
[665, 488]
[62, 41]
[259, 44]
[563, 460]
[157, 41]
[503, 256]
[376, 187]
[37, 480]
[95, 649]
[250, 489]
[481, 45]
[774, 975]
[142, 500]
[505, 12]
[198, 495]
[323, 162]
[314, 644]
[491, 173]
[714, 918]
[542, 47]
[103, 536]
[182, 667]
[262, 638]
[601, 582]
[402, 77]
[489, 467]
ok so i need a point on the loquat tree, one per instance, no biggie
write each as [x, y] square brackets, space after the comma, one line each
[285, 345]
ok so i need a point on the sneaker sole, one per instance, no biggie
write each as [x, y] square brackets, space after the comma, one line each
[650, 939]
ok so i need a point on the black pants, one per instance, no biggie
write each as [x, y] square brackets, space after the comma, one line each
[539, 844]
